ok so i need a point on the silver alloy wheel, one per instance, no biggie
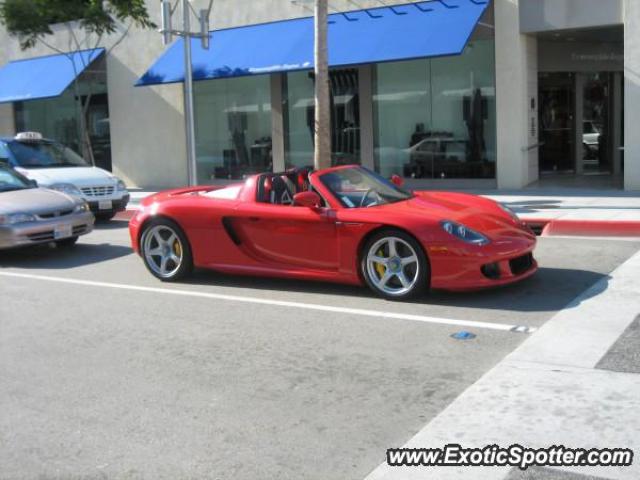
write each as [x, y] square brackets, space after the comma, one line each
[163, 250]
[393, 266]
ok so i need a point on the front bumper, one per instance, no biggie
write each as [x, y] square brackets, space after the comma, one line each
[475, 268]
[45, 231]
[108, 205]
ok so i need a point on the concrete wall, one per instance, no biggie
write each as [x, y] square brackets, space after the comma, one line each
[7, 126]
[632, 95]
[6, 110]
[147, 123]
[580, 56]
[544, 15]
[516, 99]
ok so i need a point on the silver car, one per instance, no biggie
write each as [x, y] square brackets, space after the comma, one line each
[31, 215]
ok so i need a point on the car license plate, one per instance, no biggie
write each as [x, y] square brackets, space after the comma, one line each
[62, 231]
[105, 205]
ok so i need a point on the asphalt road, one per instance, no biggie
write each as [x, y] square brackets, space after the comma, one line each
[108, 373]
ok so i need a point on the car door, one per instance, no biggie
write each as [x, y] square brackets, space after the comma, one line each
[289, 236]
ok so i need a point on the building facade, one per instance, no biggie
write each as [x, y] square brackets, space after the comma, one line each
[542, 89]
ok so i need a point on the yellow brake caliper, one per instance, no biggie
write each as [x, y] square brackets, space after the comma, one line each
[380, 267]
[177, 248]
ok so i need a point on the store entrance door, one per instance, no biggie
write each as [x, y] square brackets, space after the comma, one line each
[580, 123]
[557, 122]
[597, 123]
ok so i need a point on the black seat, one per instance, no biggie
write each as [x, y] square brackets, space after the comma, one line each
[281, 193]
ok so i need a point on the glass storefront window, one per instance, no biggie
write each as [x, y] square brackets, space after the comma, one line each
[299, 112]
[436, 118]
[57, 118]
[299, 116]
[233, 127]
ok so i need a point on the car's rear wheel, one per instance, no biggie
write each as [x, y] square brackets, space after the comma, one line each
[394, 265]
[67, 242]
[165, 250]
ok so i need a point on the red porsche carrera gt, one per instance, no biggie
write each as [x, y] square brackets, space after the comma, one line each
[344, 224]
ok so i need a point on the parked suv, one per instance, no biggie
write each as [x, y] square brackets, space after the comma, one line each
[57, 167]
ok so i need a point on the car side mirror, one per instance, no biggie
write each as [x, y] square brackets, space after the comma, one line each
[397, 180]
[33, 183]
[307, 199]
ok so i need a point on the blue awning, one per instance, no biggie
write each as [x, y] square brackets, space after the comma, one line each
[416, 30]
[43, 77]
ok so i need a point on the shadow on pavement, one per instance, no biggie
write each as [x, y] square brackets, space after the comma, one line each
[549, 290]
[212, 278]
[52, 257]
[111, 224]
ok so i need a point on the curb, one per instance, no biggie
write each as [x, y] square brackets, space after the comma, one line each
[593, 228]
[549, 227]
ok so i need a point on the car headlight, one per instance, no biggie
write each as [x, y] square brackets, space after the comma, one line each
[121, 186]
[13, 218]
[81, 207]
[464, 233]
[510, 212]
[66, 188]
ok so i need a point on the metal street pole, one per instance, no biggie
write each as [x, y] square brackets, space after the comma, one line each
[192, 165]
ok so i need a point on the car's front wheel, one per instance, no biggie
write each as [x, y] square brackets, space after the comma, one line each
[165, 250]
[394, 265]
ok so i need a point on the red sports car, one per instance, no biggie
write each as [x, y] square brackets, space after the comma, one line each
[345, 224]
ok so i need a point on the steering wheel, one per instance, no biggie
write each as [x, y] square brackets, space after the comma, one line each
[364, 197]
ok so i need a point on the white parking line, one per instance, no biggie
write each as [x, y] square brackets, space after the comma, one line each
[279, 303]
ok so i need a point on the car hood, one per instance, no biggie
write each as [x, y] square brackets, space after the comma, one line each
[35, 200]
[479, 213]
[78, 176]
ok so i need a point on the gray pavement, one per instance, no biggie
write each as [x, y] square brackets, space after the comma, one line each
[103, 382]
[624, 355]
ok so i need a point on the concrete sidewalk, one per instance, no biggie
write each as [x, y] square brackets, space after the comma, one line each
[575, 382]
[555, 211]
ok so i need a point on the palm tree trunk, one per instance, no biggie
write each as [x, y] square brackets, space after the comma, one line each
[322, 151]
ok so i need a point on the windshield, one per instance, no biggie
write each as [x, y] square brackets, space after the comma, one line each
[11, 180]
[45, 155]
[359, 187]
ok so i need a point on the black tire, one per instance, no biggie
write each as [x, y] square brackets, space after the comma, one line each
[418, 271]
[105, 216]
[67, 242]
[184, 268]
